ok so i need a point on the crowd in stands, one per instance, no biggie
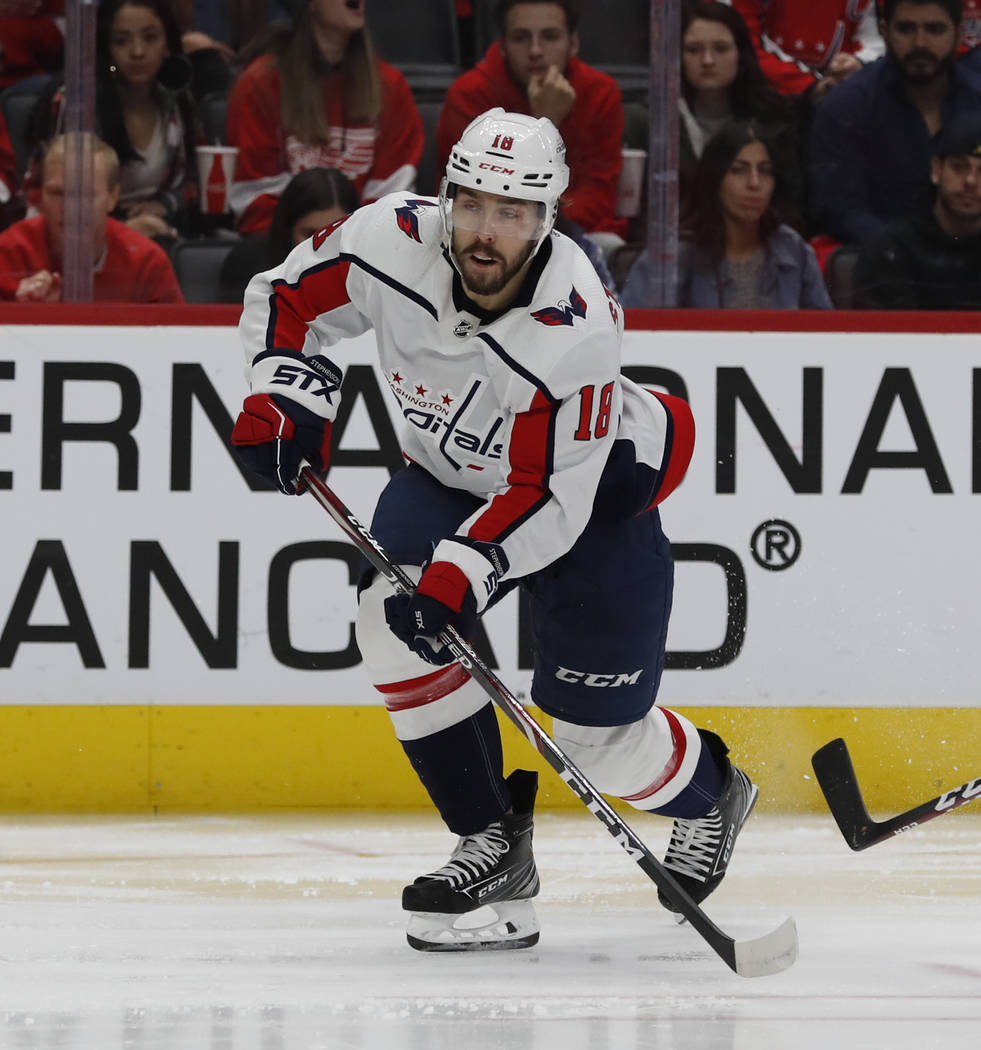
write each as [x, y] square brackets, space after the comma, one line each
[814, 139]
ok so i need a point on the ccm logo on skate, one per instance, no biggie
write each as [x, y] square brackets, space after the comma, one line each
[598, 681]
[491, 886]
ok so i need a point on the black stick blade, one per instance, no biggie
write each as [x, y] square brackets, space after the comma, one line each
[836, 777]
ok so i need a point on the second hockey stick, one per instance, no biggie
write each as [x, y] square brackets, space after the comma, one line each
[836, 776]
[768, 954]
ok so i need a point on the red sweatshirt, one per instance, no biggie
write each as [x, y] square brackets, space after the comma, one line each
[135, 269]
[793, 38]
[377, 159]
[592, 132]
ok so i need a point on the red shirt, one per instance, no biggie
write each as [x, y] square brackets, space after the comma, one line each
[592, 132]
[135, 269]
[378, 158]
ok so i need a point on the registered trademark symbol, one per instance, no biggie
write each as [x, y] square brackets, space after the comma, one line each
[775, 545]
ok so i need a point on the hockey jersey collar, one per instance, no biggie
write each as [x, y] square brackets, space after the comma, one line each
[526, 293]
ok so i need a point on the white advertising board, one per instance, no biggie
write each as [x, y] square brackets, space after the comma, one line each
[825, 535]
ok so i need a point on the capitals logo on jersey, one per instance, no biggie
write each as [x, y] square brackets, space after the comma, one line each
[565, 313]
[407, 217]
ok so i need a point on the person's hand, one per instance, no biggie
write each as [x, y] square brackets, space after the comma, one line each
[551, 95]
[151, 225]
[842, 66]
[197, 41]
[453, 589]
[149, 207]
[41, 287]
[287, 418]
[273, 435]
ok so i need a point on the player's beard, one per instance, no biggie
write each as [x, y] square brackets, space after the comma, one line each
[491, 282]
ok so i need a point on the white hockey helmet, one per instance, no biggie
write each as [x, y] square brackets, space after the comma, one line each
[511, 155]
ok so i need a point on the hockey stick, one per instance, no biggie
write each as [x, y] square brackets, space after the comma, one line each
[836, 775]
[771, 953]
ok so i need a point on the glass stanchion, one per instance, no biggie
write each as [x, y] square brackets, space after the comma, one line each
[78, 263]
[662, 168]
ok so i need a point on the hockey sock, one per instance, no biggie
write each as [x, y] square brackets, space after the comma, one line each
[706, 785]
[462, 769]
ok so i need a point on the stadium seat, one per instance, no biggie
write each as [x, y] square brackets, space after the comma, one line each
[428, 178]
[421, 42]
[839, 276]
[198, 267]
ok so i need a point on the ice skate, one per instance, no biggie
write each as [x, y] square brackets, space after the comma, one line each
[480, 900]
[700, 849]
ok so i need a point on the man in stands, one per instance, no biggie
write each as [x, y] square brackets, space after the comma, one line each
[874, 135]
[931, 260]
[128, 266]
[534, 69]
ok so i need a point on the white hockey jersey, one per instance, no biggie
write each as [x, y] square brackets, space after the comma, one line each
[520, 408]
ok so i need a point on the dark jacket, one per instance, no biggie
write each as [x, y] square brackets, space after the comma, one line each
[914, 264]
[870, 149]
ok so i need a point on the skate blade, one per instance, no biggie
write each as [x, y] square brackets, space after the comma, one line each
[511, 925]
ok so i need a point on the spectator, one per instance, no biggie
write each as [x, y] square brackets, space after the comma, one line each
[873, 136]
[932, 261]
[31, 43]
[143, 109]
[211, 60]
[128, 266]
[722, 81]
[321, 100]
[814, 45]
[8, 173]
[534, 69]
[738, 254]
[313, 200]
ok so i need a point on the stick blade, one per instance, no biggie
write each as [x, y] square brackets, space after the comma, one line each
[836, 777]
[772, 953]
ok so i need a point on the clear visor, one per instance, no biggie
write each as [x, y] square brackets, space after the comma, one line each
[494, 215]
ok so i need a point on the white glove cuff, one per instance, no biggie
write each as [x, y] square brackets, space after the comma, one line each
[313, 382]
[480, 572]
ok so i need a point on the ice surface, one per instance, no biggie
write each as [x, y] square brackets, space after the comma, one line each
[284, 931]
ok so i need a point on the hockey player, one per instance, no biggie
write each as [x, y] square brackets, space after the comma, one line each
[531, 462]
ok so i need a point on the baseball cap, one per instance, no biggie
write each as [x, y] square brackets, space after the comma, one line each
[960, 137]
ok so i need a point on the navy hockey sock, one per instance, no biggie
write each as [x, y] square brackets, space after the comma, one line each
[705, 787]
[462, 769]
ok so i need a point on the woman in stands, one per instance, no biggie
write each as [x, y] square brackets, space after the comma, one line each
[321, 98]
[313, 199]
[738, 254]
[722, 81]
[143, 109]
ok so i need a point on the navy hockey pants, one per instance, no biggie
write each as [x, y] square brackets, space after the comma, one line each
[599, 614]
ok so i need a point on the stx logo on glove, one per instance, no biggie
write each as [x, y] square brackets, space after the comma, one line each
[302, 378]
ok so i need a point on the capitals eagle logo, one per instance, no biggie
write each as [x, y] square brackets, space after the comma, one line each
[565, 313]
[407, 217]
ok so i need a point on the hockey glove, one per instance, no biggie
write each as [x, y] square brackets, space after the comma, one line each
[453, 589]
[273, 435]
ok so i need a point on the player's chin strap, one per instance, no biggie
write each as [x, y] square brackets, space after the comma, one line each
[771, 953]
